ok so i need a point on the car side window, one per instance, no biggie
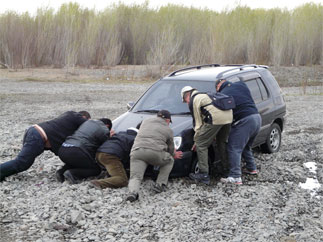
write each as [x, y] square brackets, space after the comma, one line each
[255, 90]
[263, 90]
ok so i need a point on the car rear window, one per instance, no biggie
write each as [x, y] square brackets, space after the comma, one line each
[258, 90]
[263, 90]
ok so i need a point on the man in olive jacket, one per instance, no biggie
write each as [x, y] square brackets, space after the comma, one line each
[154, 145]
[209, 123]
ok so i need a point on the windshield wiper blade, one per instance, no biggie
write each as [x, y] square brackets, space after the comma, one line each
[147, 111]
[182, 113]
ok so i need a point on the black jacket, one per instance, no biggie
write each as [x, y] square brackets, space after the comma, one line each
[119, 145]
[245, 105]
[89, 136]
[59, 128]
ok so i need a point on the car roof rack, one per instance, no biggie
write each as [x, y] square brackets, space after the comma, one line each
[193, 67]
[239, 68]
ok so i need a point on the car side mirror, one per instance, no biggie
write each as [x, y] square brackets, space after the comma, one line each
[130, 105]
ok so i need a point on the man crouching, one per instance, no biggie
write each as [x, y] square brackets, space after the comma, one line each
[154, 145]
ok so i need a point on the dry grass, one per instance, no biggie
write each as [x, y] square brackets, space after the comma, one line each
[171, 35]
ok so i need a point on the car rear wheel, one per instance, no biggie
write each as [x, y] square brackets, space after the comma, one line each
[273, 140]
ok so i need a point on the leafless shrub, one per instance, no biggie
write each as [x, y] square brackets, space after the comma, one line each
[164, 48]
[170, 35]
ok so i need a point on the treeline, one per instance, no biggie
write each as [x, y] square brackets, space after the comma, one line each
[137, 34]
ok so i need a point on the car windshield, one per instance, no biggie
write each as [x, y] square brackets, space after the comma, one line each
[167, 95]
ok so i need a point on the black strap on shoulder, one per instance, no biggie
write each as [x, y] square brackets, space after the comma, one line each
[206, 105]
[203, 105]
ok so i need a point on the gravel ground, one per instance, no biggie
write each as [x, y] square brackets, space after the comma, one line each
[270, 207]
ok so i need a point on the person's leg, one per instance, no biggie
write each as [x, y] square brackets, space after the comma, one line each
[60, 173]
[80, 173]
[239, 137]
[33, 146]
[221, 144]
[203, 139]
[166, 165]
[76, 157]
[118, 177]
[137, 170]
[81, 165]
[247, 154]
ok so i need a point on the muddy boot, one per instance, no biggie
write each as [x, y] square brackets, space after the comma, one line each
[200, 177]
[132, 197]
[70, 177]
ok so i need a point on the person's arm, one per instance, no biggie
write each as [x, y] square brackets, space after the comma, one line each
[199, 101]
[78, 118]
[197, 112]
[103, 134]
[112, 132]
[170, 141]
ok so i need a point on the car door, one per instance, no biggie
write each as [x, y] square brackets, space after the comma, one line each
[264, 103]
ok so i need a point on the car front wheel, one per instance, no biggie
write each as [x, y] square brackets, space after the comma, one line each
[195, 166]
[273, 140]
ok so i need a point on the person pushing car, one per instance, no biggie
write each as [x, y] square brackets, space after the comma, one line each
[153, 145]
[47, 135]
[209, 123]
[245, 127]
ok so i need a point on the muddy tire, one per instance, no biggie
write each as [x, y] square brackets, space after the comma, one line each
[273, 140]
[195, 167]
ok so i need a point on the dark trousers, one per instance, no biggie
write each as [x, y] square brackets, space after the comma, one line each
[242, 135]
[33, 146]
[79, 162]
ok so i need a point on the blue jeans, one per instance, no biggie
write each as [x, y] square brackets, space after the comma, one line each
[241, 137]
[33, 146]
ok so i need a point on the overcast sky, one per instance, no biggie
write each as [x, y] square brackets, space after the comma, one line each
[218, 5]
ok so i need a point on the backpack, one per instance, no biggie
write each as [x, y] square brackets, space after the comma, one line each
[220, 100]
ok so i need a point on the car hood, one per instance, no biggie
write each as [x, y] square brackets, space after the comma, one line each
[130, 119]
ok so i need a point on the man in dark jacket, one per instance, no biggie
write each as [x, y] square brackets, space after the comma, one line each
[245, 127]
[113, 154]
[43, 136]
[78, 151]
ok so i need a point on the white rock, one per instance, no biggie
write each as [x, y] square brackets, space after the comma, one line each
[76, 216]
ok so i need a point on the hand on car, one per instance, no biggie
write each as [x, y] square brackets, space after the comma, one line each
[178, 155]
[112, 132]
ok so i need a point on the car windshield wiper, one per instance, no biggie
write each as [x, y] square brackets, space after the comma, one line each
[182, 113]
[147, 111]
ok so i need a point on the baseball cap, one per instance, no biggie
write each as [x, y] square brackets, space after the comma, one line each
[164, 114]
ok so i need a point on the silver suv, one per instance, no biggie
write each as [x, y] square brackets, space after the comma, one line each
[165, 94]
